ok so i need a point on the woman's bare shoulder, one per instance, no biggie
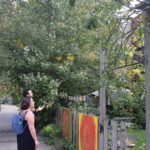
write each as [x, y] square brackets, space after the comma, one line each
[29, 114]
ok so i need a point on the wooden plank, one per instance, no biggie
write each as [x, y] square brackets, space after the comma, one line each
[105, 134]
[77, 130]
[56, 121]
[114, 135]
[61, 118]
[74, 128]
[70, 126]
[147, 74]
[58, 117]
[102, 101]
[67, 123]
[123, 136]
[101, 134]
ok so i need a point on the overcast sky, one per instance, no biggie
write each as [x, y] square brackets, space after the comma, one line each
[134, 2]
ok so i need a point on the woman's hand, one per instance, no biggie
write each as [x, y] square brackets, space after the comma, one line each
[37, 143]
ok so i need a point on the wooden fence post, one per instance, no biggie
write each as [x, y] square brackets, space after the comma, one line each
[75, 128]
[123, 136]
[105, 134]
[61, 118]
[147, 70]
[114, 135]
[102, 101]
[77, 131]
[56, 119]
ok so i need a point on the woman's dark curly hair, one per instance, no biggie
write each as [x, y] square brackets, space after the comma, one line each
[25, 103]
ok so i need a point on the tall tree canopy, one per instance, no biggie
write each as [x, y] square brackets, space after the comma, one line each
[52, 46]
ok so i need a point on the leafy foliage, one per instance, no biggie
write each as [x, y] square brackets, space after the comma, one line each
[67, 144]
[51, 133]
[52, 47]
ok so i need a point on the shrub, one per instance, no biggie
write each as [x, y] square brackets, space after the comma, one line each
[51, 133]
[67, 145]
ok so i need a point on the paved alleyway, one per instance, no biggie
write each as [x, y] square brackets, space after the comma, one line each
[7, 138]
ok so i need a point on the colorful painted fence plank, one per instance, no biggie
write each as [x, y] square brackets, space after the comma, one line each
[88, 132]
[66, 123]
[82, 130]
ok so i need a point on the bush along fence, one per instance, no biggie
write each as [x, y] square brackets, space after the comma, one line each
[84, 131]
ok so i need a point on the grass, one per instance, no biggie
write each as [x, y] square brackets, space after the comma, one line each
[140, 136]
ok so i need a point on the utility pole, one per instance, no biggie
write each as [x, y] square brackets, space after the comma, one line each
[102, 101]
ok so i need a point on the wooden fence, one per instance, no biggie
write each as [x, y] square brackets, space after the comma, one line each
[84, 130]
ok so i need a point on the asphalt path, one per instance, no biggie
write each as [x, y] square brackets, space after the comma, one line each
[7, 137]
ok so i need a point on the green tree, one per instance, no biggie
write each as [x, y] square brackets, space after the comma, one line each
[52, 46]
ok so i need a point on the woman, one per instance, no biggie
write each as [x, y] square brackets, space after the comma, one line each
[28, 139]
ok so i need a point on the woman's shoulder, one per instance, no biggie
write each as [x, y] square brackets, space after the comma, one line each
[26, 111]
[29, 114]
